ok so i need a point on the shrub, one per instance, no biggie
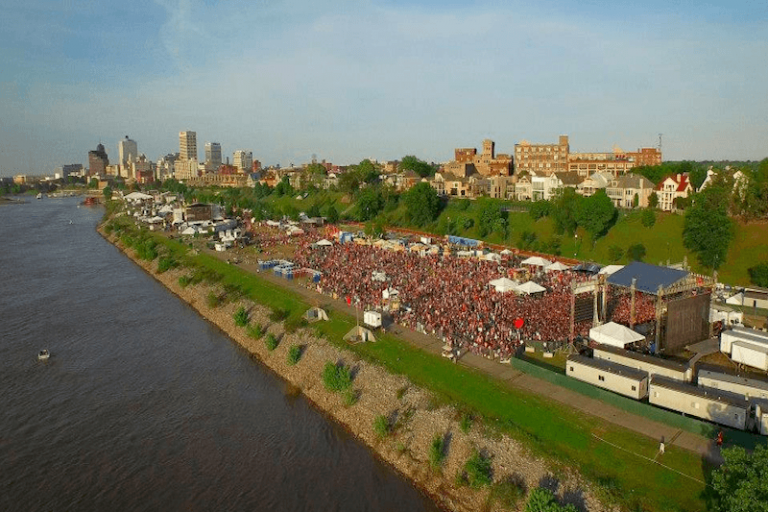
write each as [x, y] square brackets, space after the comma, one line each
[241, 317]
[146, 250]
[758, 274]
[350, 397]
[648, 218]
[255, 331]
[185, 281]
[465, 423]
[271, 342]
[477, 470]
[278, 315]
[437, 452]
[636, 252]
[508, 492]
[615, 253]
[213, 300]
[401, 392]
[381, 426]
[542, 499]
[294, 354]
[292, 324]
[166, 263]
[336, 377]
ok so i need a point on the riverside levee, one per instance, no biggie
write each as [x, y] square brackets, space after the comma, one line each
[613, 377]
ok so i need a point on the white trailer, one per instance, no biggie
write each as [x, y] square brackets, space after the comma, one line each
[759, 417]
[613, 377]
[748, 388]
[650, 364]
[719, 406]
[727, 338]
[372, 319]
[750, 354]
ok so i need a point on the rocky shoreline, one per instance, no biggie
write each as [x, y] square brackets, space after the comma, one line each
[411, 409]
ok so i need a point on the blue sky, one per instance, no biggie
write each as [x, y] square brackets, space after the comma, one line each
[348, 79]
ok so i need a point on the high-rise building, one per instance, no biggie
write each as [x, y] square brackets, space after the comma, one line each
[243, 160]
[128, 151]
[212, 156]
[187, 146]
[98, 161]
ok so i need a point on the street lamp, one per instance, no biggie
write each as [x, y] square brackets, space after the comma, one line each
[575, 244]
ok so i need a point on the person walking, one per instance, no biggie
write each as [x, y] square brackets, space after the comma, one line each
[719, 439]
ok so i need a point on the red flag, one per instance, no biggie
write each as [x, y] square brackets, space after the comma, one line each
[518, 323]
[349, 300]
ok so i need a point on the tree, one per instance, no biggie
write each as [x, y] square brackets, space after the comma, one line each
[422, 204]
[420, 167]
[349, 182]
[564, 208]
[93, 183]
[636, 252]
[314, 211]
[615, 253]
[740, 483]
[596, 214]
[540, 209]
[653, 200]
[107, 193]
[332, 214]
[707, 229]
[759, 274]
[489, 214]
[369, 203]
[367, 172]
[648, 218]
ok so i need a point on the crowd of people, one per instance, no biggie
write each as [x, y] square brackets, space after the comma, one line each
[450, 296]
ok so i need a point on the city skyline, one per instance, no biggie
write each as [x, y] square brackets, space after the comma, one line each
[356, 79]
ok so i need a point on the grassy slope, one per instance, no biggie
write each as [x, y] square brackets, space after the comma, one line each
[547, 427]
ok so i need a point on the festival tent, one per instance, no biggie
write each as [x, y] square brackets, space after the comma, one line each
[536, 261]
[389, 293]
[557, 266]
[492, 256]
[315, 314]
[358, 334]
[137, 196]
[615, 335]
[323, 243]
[529, 288]
[503, 284]
[610, 269]
[506, 252]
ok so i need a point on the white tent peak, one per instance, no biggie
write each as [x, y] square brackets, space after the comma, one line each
[503, 284]
[615, 335]
[529, 288]
[536, 261]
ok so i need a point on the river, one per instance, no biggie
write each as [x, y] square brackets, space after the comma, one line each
[143, 404]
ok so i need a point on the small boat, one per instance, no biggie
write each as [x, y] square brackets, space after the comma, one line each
[40, 195]
[43, 355]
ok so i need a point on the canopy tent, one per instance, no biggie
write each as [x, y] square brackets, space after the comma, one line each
[137, 196]
[610, 269]
[389, 293]
[323, 243]
[492, 256]
[315, 314]
[503, 284]
[358, 334]
[529, 288]
[378, 276]
[557, 266]
[536, 261]
[506, 252]
[615, 335]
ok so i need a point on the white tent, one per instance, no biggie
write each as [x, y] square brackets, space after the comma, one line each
[323, 243]
[610, 269]
[315, 314]
[503, 284]
[506, 252]
[557, 266]
[389, 293]
[536, 261]
[379, 276]
[137, 196]
[615, 335]
[529, 288]
[492, 256]
[358, 334]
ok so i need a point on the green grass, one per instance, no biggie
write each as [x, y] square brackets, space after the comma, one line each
[548, 428]
[381, 426]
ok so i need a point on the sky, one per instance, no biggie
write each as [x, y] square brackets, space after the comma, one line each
[351, 79]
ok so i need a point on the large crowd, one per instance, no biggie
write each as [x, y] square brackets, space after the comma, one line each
[450, 296]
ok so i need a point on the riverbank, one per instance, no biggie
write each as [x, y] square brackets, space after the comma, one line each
[415, 416]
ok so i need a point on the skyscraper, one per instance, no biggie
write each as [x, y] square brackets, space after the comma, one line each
[128, 151]
[243, 160]
[98, 161]
[212, 156]
[187, 145]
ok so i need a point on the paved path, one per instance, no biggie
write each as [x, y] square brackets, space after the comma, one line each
[672, 436]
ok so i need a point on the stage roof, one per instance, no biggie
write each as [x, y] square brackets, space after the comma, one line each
[649, 277]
